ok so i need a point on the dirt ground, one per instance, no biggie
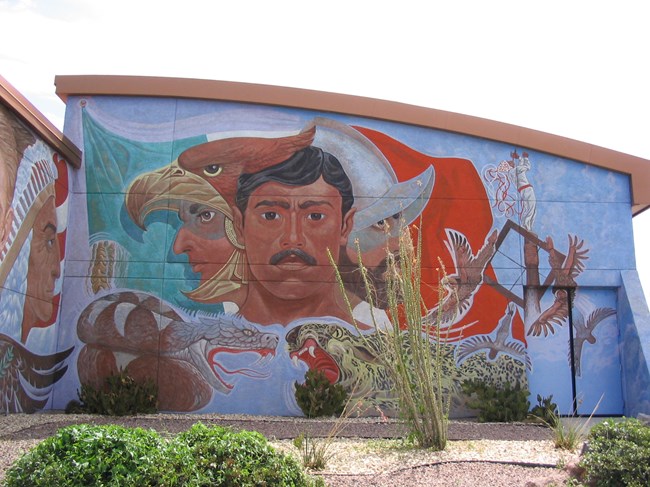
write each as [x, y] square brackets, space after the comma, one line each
[366, 451]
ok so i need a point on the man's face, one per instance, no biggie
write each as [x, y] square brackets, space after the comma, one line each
[203, 238]
[375, 243]
[44, 262]
[287, 231]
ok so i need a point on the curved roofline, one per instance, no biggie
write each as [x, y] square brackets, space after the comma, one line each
[29, 114]
[638, 168]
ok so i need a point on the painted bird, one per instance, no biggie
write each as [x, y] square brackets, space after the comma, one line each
[26, 378]
[584, 332]
[554, 315]
[565, 270]
[461, 286]
[501, 343]
[221, 162]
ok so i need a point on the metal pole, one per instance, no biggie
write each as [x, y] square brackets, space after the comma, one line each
[574, 405]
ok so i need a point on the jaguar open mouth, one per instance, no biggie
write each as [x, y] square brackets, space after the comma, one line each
[316, 358]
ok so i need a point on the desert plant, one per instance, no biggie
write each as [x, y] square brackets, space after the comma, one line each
[410, 350]
[618, 454]
[545, 410]
[84, 455]
[317, 396]
[569, 435]
[120, 395]
[497, 404]
[220, 456]
[316, 452]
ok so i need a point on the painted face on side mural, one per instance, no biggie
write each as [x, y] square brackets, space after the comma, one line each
[44, 263]
[7, 181]
[287, 231]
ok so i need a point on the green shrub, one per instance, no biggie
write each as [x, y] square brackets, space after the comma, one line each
[319, 397]
[546, 411]
[120, 395]
[497, 404]
[107, 455]
[74, 407]
[85, 455]
[618, 454]
[220, 456]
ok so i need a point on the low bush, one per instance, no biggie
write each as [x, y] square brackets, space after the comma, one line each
[120, 395]
[107, 455]
[319, 397]
[546, 411]
[85, 455]
[221, 456]
[497, 404]
[618, 454]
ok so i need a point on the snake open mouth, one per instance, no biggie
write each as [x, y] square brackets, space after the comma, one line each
[218, 367]
[317, 358]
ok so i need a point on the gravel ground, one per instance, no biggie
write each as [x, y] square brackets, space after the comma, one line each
[367, 452]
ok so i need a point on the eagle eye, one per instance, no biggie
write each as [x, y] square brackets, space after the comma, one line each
[212, 170]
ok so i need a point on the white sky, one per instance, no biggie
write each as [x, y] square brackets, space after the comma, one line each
[570, 67]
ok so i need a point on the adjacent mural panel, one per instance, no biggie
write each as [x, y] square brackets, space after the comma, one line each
[33, 209]
[198, 252]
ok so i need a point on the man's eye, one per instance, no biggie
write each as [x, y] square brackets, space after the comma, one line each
[50, 243]
[316, 216]
[212, 170]
[270, 215]
[206, 216]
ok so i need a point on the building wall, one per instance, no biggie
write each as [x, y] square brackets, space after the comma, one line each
[33, 210]
[635, 336]
[167, 277]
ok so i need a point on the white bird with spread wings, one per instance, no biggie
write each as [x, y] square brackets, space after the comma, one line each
[496, 343]
[461, 286]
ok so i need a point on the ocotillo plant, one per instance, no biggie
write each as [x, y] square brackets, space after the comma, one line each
[410, 349]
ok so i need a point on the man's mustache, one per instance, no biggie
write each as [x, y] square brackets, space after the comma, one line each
[301, 254]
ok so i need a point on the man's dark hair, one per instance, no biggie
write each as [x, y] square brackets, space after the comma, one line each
[303, 168]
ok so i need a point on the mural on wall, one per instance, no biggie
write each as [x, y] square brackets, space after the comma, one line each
[33, 196]
[200, 260]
